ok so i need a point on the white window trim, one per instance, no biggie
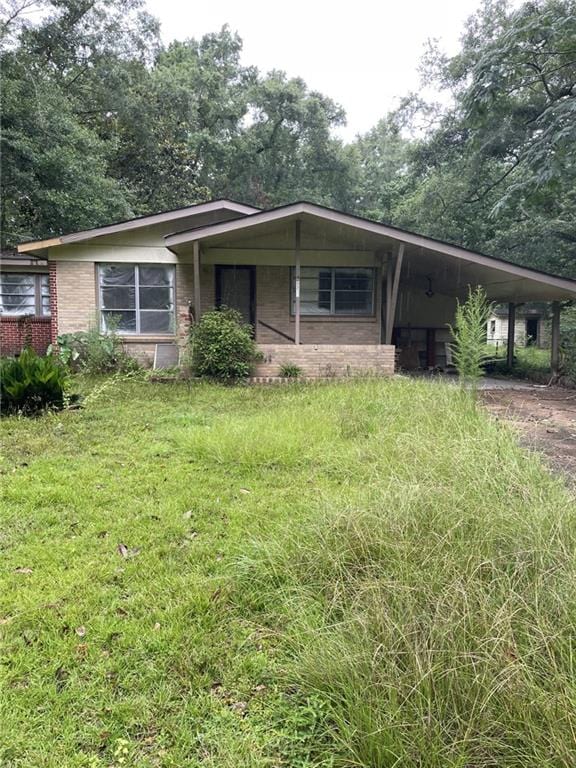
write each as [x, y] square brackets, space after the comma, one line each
[136, 309]
[332, 313]
[38, 310]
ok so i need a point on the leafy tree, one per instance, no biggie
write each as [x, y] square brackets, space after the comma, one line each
[56, 81]
[497, 172]
[287, 152]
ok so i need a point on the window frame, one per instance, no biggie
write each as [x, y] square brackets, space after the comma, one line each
[38, 308]
[136, 266]
[331, 314]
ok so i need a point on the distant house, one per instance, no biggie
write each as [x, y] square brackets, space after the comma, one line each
[530, 329]
[328, 291]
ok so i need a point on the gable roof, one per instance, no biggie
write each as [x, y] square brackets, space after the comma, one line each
[303, 210]
[140, 221]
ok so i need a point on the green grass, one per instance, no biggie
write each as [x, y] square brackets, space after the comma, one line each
[529, 363]
[363, 574]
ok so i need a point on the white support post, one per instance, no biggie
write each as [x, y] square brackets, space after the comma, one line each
[196, 281]
[392, 293]
[297, 247]
[555, 340]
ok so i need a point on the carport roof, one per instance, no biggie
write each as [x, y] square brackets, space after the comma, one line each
[451, 267]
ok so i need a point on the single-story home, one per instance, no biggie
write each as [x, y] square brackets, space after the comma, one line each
[323, 289]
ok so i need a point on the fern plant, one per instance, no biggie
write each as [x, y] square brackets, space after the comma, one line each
[470, 350]
[30, 383]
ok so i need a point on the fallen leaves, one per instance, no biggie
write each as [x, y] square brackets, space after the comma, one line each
[23, 570]
[126, 552]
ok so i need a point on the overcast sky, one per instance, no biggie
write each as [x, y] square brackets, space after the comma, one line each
[362, 54]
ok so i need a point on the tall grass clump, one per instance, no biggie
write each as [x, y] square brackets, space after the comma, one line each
[469, 333]
[430, 604]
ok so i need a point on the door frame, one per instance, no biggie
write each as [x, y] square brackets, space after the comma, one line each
[252, 273]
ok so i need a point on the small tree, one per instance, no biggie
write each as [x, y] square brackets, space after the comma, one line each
[222, 346]
[470, 350]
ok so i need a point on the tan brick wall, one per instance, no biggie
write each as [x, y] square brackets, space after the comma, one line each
[76, 295]
[273, 308]
[77, 311]
[320, 360]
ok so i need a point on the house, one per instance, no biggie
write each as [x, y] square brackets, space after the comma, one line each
[530, 329]
[326, 290]
[24, 303]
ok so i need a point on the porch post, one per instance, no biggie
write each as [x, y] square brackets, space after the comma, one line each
[297, 282]
[511, 334]
[555, 340]
[392, 293]
[196, 281]
[389, 279]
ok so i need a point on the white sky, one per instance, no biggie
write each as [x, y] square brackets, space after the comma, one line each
[363, 54]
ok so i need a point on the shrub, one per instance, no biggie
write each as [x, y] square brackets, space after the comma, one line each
[222, 346]
[94, 352]
[568, 344]
[30, 383]
[290, 370]
[469, 332]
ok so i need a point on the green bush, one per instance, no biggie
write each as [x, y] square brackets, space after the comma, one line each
[94, 352]
[469, 332]
[30, 383]
[568, 344]
[222, 346]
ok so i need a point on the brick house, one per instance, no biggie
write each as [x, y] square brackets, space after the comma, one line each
[328, 291]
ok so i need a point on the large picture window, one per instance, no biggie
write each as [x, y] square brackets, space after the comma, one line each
[136, 298]
[24, 293]
[335, 291]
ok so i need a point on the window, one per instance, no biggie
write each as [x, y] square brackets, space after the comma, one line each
[137, 298]
[24, 293]
[335, 291]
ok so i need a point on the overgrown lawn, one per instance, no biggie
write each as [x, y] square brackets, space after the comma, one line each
[368, 573]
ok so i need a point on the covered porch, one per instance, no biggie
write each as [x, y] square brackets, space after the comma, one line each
[337, 294]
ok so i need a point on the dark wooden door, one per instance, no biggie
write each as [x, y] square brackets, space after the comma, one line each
[236, 288]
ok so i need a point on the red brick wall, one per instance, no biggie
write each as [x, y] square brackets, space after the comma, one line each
[17, 332]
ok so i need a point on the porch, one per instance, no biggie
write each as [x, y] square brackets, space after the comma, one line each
[335, 292]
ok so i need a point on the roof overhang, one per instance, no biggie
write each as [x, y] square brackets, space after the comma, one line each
[451, 267]
[40, 247]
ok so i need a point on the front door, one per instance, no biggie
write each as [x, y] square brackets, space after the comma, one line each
[235, 288]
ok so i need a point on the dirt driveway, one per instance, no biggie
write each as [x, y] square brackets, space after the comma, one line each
[546, 419]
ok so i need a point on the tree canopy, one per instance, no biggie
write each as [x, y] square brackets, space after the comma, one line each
[102, 121]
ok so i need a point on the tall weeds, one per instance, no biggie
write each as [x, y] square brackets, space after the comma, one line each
[432, 608]
[469, 332]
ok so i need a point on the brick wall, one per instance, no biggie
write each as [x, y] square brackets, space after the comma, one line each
[273, 308]
[19, 332]
[185, 295]
[320, 360]
[76, 295]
